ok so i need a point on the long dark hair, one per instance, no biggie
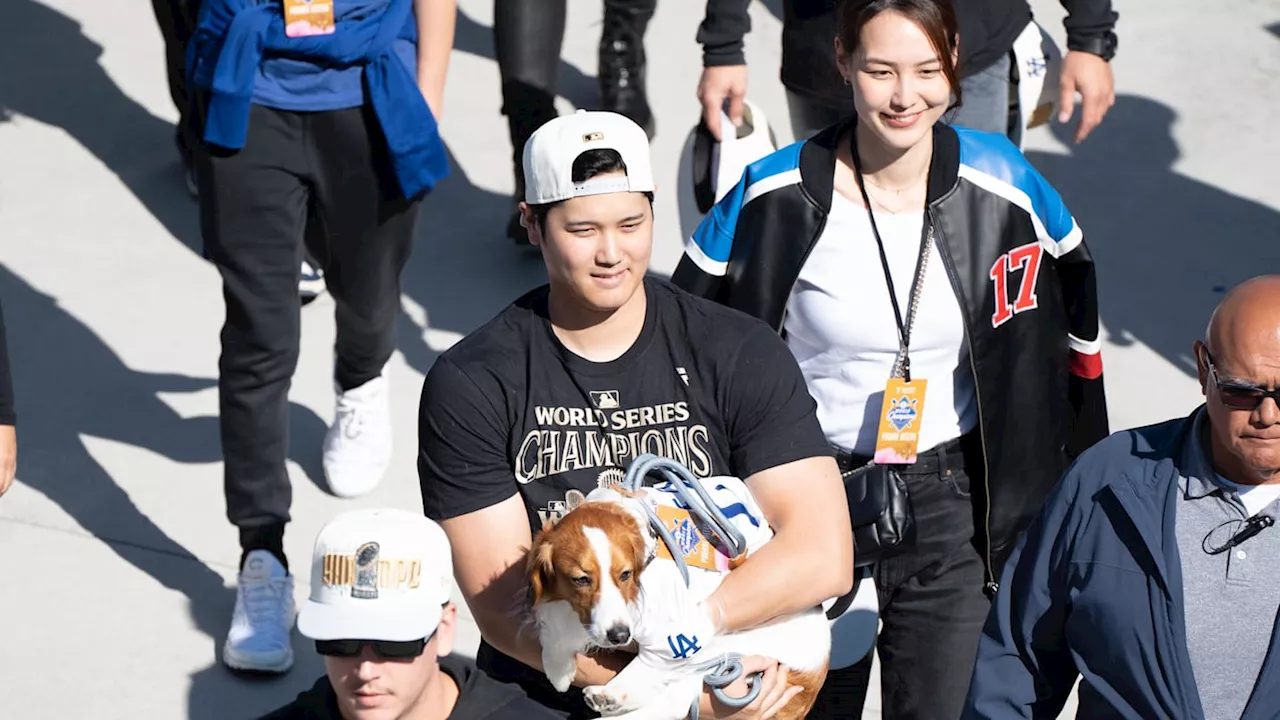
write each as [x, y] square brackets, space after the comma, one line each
[937, 18]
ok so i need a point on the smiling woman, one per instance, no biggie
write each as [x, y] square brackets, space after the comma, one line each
[911, 264]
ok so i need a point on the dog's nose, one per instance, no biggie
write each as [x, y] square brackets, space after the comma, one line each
[619, 635]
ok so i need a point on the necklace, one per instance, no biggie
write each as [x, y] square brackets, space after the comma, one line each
[899, 207]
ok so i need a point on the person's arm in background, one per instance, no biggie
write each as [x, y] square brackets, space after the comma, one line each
[8, 418]
[1086, 69]
[724, 64]
[436, 21]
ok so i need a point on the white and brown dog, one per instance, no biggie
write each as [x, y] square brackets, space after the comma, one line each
[597, 582]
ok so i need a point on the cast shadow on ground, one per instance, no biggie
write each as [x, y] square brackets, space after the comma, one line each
[1166, 245]
[53, 75]
[71, 384]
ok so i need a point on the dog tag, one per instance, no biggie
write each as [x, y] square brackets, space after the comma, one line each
[695, 548]
[308, 17]
[900, 415]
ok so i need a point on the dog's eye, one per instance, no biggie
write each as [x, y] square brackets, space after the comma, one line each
[624, 576]
[582, 581]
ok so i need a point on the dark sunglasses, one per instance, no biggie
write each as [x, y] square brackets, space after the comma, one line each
[1236, 395]
[385, 649]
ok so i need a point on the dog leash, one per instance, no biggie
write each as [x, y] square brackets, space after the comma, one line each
[722, 672]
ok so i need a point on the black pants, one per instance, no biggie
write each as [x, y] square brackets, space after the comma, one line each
[932, 603]
[317, 179]
[528, 36]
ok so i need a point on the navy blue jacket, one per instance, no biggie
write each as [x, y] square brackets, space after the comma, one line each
[1093, 590]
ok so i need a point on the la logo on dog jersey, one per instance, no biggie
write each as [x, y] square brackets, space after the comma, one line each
[682, 647]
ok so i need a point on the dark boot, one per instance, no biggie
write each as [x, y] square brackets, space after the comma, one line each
[621, 70]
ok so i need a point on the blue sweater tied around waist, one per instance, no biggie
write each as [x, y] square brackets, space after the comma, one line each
[233, 37]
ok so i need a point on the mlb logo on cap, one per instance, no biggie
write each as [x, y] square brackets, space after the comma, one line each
[378, 574]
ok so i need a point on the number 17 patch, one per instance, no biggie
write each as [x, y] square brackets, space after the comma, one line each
[1025, 258]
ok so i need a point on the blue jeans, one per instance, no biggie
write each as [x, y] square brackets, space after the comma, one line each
[985, 102]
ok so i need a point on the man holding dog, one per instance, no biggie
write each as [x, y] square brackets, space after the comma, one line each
[557, 394]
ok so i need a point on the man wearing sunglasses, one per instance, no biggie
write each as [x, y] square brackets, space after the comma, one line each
[1150, 573]
[380, 614]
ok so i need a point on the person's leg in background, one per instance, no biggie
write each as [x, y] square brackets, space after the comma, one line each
[527, 38]
[622, 62]
[368, 232]
[809, 115]
[985, 99]
[176, 19]
[253, 212]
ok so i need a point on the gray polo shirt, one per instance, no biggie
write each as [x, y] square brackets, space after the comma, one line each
[1231, 598]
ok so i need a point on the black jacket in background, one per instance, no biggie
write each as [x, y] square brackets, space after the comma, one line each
[480, 697]
[987, 31]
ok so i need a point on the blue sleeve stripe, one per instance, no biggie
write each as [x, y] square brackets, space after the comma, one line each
[990, 160]
[712, 242]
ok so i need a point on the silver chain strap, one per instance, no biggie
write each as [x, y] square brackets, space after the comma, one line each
[916, 290]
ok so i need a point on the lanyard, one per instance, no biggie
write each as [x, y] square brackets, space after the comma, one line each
[901, 366]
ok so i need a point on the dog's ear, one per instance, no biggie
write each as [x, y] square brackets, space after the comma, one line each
[540, 571]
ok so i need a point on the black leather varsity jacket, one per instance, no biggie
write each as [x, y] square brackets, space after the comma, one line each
[1020, 270]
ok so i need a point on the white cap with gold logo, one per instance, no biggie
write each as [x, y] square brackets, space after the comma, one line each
[380, 574]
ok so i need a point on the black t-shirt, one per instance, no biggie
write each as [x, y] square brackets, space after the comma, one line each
[509, 410]
[480, 697]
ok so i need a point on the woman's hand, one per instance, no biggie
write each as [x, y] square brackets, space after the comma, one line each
[774, 695]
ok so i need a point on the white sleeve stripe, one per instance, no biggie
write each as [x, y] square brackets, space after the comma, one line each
[699, 258]
[769, 184]
[1084, 347]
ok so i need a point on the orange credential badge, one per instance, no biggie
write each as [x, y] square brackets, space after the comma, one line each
[308, 17]
[900, 414]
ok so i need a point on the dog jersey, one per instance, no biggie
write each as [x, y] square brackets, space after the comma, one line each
[672, 628]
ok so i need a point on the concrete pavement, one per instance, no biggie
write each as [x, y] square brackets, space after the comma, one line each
[119, 560]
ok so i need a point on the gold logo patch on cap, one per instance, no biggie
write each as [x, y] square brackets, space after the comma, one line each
[592, 137]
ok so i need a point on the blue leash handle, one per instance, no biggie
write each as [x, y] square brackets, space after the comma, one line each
[722, 672]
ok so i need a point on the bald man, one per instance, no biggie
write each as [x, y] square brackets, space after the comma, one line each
[1152, 574]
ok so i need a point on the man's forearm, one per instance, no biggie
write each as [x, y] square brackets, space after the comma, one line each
[522, 644]
[436, 20]
[790, 574]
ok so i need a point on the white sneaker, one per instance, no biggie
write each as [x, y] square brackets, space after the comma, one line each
[259, 636]
[357, 448]
[310, 282]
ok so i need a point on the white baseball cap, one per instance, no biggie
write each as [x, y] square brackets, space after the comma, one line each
[551, 150]
[378, 574]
